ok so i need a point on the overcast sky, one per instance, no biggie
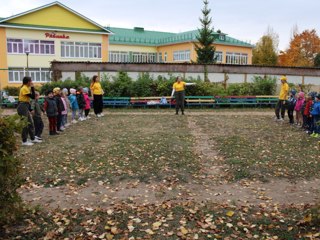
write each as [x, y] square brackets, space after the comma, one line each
[246, 20]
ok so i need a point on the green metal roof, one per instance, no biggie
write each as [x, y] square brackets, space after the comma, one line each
[139, 36]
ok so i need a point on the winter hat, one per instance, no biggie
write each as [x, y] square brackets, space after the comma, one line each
[293, 92]
[283, 78]
[65, 90]
[72, 91]
[48, 92]
[85, 90]
[56, 90]
[301, 94]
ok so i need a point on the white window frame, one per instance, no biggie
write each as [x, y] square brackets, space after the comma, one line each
[160, 60]
[218, 56]
[39, 75]
[183, 55]
[81, 50]
[116, 56]
[236, 58]
[33, 46]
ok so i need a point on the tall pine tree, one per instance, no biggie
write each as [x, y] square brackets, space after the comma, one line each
[204, 47]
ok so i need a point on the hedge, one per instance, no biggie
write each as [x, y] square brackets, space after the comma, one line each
[122, 85]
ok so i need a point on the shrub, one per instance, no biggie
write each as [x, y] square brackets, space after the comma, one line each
[144, 86]
[241, 89]
[164, 86]
[12, 91]
[264, 85]
[10, 169]
[121, 85]
[80, 82]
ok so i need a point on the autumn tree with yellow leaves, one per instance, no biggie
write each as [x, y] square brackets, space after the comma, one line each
[303, 49]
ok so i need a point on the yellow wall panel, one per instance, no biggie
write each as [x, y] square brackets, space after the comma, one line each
[169, 49]
[131, 48]
[55, 16]
[3, 59]
[19, 60]
[234, 49]
[105, 48]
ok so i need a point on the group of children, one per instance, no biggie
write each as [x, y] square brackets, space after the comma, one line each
[307, 111]
[56, 106]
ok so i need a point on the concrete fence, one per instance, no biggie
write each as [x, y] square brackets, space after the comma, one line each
[216, 72]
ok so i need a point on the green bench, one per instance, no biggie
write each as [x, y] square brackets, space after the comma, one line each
[116, 102]
[267, 101]
[200, 101]
[233, 101]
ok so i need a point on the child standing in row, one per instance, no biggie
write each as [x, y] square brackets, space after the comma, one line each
[51, 109]
[87, 101]
[60, 106]
[36, 115]
[66, 104]
[307, 114]
[298, 107]
[73, 104]
[316, 117]
[81, 103]
[291, 105]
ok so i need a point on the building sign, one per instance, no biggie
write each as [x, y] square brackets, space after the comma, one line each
[55, 35]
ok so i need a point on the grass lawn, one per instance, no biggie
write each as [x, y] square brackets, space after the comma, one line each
[180, 161]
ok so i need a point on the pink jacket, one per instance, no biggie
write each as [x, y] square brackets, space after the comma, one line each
[65, 106]
[300, 101]
[87, 100]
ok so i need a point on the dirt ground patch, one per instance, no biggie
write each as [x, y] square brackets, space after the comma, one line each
[140, 174]
[208, 182]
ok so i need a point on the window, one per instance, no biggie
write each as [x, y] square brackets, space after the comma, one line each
[37, 74]
[140, 57]
[237, 58]
[115, 56]
[15, 45]
[152, 57]
[20, 46]
[222, 37]
[218, 56]
[80, 50]
[46, 47]
[94, 50]
[165, 57]
[160, 57]
[181, 55]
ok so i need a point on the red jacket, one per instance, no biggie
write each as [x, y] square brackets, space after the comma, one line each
[308, 108]
[87, 100]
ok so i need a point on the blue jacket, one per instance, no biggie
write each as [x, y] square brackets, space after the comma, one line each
[316, 109]
[291, 102]
[73, 102]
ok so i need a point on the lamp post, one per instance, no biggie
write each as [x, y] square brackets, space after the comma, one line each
[27, 53]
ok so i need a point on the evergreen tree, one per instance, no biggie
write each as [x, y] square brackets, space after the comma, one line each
[204, 48]
[317, 60]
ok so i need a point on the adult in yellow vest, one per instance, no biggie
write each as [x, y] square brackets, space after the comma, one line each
[26, 93]
[283, 97]
[97, 93]
[178, 90]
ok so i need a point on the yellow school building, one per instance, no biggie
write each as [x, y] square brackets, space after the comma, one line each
[31, 40]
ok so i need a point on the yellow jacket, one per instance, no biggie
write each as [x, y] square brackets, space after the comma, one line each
[96, 88]
[284, 91]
